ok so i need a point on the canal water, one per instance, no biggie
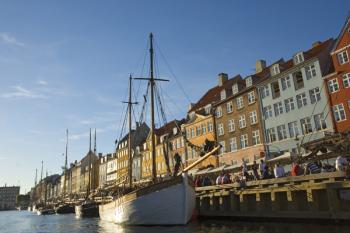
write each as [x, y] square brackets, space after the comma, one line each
[28, 222]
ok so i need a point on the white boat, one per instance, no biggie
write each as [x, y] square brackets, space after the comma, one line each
[170, 202]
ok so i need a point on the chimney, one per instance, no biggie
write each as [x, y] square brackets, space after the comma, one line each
[222, 78]
[316, 43]
[260, 65]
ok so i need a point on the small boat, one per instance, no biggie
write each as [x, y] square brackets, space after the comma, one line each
[64, 209]
[87, 209]
[45, 211]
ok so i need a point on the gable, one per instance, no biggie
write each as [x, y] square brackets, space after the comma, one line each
[343, 38]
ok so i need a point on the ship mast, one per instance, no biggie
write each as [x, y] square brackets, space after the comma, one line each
[89, 182]
[65, 166]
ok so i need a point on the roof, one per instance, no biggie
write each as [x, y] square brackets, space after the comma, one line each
[213, 94]
[168, 127]
[341, 33]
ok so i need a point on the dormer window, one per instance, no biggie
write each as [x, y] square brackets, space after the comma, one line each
[235, 89]
[248, 81]
[223, 94]
[174, 130]
[298, 58]
[207, 109]
[275, 69]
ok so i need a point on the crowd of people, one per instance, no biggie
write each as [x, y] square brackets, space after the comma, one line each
[265, 170]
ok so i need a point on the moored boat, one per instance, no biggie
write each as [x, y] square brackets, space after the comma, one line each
[45, 211]
[87, 209]
[65, 209]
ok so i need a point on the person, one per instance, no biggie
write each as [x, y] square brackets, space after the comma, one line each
[178, 163]
[225, 179]
[198, 181]
[206, 181]
[313, 168]
[255, 170]
[341, 163]
[219, 179]
[244, 168]
[295, 171]
[262, 169]
[279, 171]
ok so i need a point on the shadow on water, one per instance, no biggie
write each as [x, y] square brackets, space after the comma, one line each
[28, 222]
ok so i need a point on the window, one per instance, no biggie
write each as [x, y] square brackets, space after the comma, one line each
[229, 107]
[192, 133]
[188, 135]
[219, 112]
[264, 91]
[343, 57]
[207, 109]
[235, 89]
[242, 122]
[204, 129]
[248, 81]
[271, 135]
[346, 80]
[301, 100]
[306, 125]
[275, 69]
[310, 71]
[293, 129]
[253, 117]
[298, 80]
[278, 107]
[198, 130]
[256, 137]
[210, 127]
[220, 129]
[239, 102]
[320, 122]
[285, 81]
[267, 112]
[281, 132]
[223, 94]
[222, 149]
[333, 85]
[315, 95]
[233, 144]
[251, 97]
[275, 90]
[244, 141]
[289, 103]
[231, 125]
[339, 113]
[298, 58]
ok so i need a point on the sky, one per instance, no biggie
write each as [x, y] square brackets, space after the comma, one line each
[65, 64]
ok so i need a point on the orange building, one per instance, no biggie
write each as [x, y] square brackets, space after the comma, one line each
[338, 81]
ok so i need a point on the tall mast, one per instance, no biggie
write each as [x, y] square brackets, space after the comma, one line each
[42, 165]
[152, 84]
[89, 154]
[36, 176]
[65, 166]
[95, 143]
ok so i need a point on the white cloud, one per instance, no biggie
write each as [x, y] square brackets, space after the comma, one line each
[10, 40]
[42, 82]
[20, 92]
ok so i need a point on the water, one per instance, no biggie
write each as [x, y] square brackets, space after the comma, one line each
[28, 222]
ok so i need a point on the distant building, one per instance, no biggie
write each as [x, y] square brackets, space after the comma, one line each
[338, 82]
[8, 197]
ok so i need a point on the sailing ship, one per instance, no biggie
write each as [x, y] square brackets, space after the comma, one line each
[169, 202]
[88, 208]
[65, 208]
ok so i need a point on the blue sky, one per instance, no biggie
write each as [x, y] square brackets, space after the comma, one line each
[65, 64]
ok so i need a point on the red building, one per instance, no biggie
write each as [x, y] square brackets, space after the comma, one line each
[338, 81]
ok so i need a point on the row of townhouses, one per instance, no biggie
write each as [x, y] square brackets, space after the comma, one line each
[274, 110]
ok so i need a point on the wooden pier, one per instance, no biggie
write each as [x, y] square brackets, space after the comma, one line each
[324, 196]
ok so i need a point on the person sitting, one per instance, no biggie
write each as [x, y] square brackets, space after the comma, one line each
[219, 179]
[206, 181]
[262, 169]
[279, 171]
[225, 179]
[296, 170]
[341, 163]
[313, 168]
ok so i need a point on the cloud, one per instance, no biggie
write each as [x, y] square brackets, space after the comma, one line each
[20, 92]
[42, 82]
[10, 40]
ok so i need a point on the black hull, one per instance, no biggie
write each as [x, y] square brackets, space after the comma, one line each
[65, 209]
[87, 211]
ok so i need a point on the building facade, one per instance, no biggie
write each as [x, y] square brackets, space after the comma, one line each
[338, 82]
[294, 101]
[8, 195]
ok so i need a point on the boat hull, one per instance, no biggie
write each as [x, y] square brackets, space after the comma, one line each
[86, 210]
[65, 209]
[172, 205]
[45, 212]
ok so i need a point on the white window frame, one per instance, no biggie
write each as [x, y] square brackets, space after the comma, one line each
[222, 149]
[275, 69]
[285, 83]
[267, 112]
[255, 137]
[271, 135]
[315, 95]
[235, 88]
[253, 117]
[310, 71]
[223, 94]
[298, 58]
[251, 97]
[241, 122]
[229, 107]
[210, 127]
[320, 122]
[233, 144]
[301, 100]
[346, 80]
[339, 112]
[306, 126]
[289, 104]
[343, 57]
[265, 92]
[218, 112]
[248, 81]
[221, 129]
[281, 132]
[239, 102]
[278, 108]
[231, 125]
[244, 141]
[333, 85]
[293, 129]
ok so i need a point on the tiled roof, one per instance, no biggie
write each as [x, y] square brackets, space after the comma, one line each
[168, 127]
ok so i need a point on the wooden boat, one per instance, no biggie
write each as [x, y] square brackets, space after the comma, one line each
[45, 211]
[170, 202]
[87, 209]
[65, 209]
